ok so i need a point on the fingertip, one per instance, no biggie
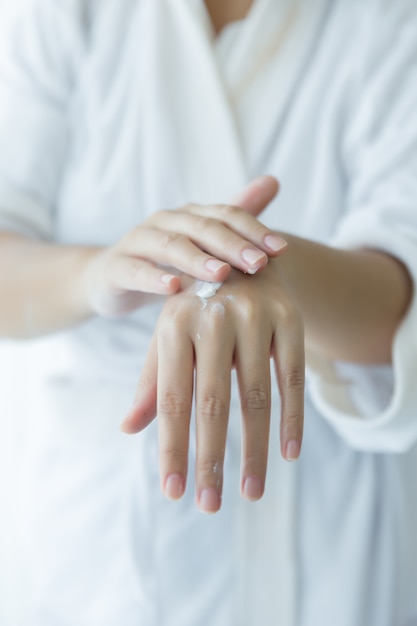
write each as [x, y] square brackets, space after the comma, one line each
[126, 426]
[292, 450]
[269, 182]
[174, 486]
[275, 244]
[252, 488]
[136, 420]
[171, 283]
[218, 268]
[209, 500]
[257, 194]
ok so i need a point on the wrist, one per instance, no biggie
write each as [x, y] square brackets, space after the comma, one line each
[84, 278]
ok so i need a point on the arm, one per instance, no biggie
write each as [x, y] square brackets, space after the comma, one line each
[41, 286]
[351, 301]
[48, 287]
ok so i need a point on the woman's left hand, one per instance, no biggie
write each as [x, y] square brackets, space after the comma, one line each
[249, 319]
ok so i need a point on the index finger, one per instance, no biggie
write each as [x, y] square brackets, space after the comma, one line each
[257, 195]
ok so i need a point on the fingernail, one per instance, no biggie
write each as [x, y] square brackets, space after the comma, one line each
[209, 501]
[215, 266]
[174, 486]
[166, 278]
[253, 488]
[293, 450]
[275, 243]
[254, 258]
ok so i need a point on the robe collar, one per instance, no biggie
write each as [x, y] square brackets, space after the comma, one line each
[193, 97]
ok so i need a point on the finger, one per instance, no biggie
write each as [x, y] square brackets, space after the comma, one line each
[252, 361]
[257, 195]
[238, 232]
[143, 410]
[214, 354]
[288, 351]
[134, 274]
[174, 400]
[174, 248]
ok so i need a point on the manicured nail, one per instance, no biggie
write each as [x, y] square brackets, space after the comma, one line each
[253, 488]
[209, 501]
[254, 258]
[213, 265]
[275, 243]
[166, 278]
[174, 486]
[293, 450]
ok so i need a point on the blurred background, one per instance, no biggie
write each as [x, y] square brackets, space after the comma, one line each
[14, 588]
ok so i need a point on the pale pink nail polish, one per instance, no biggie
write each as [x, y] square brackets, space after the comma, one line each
[174, 486]
[166, 278]
[253, 488]
[215, 266]
[275, 243]
[209, 501]
[293, 450]
[253, 258]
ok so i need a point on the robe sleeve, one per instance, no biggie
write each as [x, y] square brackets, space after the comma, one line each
[41, 44]
[375, 408]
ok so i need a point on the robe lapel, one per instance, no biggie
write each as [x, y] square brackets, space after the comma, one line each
[262, 62]
[190, 127]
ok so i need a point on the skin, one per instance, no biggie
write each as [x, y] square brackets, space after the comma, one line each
[340, 304]
[249, 320]
[64, 285]
[344, 305]
[223, 13]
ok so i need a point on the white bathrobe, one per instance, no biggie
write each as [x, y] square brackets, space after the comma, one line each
[112, 109]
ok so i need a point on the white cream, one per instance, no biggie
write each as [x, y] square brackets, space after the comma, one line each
[206, 290]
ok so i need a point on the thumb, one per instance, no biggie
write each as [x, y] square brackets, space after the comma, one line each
[257, 195]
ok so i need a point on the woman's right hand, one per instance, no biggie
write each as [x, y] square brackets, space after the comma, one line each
[204, 242]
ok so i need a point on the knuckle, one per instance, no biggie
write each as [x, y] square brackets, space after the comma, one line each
[174, 405]
[174, 455]
[289, 316]
[255, 402]
[286, 311]
[201, 224]
[211, 408]
[170, 240]
[171, 323]
[213, 320]
[228, 210]
[249, 310]
[292, 379]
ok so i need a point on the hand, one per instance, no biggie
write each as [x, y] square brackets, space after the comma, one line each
[201, 241]
[250, 319]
